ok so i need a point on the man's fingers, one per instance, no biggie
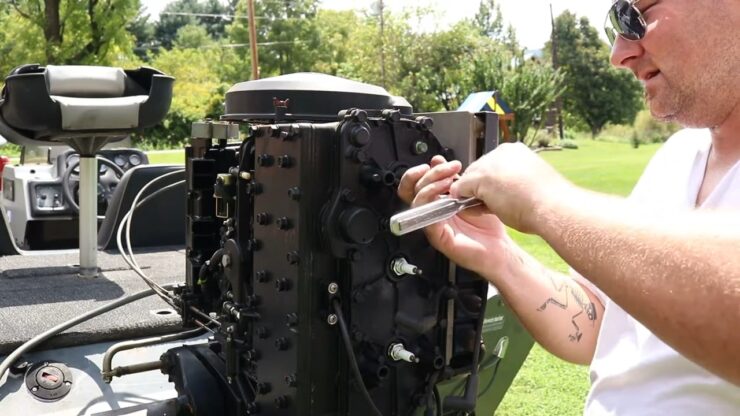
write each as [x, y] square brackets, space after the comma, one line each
[407, 186]
[432, 191]
[437, 173]
[437, 160]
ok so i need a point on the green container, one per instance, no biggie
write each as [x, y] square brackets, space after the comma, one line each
[504, 335]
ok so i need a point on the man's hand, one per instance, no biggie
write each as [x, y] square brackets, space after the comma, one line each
[473, 239]
[513, 182]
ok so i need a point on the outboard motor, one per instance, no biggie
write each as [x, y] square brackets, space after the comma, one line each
[316, 308]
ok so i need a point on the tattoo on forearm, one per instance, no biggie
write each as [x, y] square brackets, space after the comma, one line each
[581, 299]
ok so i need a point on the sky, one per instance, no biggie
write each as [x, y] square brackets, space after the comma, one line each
[530, 18]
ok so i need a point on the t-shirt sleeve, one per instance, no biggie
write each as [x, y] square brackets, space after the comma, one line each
[590, 286]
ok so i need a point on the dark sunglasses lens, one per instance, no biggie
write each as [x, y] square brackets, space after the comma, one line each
[626, 20]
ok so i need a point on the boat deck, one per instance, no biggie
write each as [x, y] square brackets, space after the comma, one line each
[40, 291]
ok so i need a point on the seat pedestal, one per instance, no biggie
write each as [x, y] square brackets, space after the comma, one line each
[88, 216]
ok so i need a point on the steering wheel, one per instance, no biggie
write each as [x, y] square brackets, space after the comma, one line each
[107, 181]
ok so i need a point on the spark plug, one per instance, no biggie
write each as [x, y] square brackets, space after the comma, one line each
[402, 267]
[398, 352]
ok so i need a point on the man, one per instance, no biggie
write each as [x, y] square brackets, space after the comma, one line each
[653, 304]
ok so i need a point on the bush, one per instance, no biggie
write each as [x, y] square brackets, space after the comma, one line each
[620, 133]
[650, 130]
[568, 144]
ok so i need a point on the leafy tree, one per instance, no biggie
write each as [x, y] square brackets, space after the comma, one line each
[489, 20]
[529, 88]
[192, 36]
[287, 33]
[335, 30]
[79, 31]
[595, 91]
[198, 83]
[144, 34]
[210, 14]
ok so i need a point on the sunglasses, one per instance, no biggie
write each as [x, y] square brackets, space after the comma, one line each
[624, 19]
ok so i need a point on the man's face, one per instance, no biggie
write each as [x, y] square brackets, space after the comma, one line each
[688, 61]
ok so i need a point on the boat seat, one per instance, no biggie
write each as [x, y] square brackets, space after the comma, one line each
[71, 103]
[158, 222]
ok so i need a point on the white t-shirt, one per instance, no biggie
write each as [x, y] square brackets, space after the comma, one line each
[633, 372]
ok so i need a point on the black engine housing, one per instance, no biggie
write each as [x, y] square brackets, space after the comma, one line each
[291, 223]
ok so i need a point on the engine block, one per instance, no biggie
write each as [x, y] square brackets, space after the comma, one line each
[289, 251]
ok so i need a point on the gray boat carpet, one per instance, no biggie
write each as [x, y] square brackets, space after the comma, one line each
[38, 292]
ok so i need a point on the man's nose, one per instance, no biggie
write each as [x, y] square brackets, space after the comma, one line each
[626, 52]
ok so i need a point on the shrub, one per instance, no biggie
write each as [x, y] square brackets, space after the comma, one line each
[650, 130]
[568, 144]
[620, 133]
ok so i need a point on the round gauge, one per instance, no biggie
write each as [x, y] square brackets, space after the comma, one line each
[120, 160]
[102, 168]
[135, 160]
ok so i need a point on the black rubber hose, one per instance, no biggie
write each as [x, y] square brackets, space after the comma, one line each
[38, 339]
[352, 358]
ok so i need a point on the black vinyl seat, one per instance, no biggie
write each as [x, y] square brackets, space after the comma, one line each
[84, 107]
[76, 103]
[158, 222]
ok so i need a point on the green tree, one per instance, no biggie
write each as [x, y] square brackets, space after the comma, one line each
[286, 32]
[198, 84]
[210, 14]
[595, 91]
[192, 36]
[335, 30]
[489, 20]
[144, 35]
[529, 88]
[78, 31]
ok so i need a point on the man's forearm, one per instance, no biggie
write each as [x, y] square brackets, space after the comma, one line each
[676, 273]
[558, 312]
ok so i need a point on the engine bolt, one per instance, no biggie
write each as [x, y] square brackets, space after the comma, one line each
[282, 402]
[360, 136]
[265, 160]
[283, 223]
[391, 115]
[425, 123]
[263, 218]
[282, 344]
[253, 408]
[282, 285]
[262, 276]
[333, 288]
[293, 257]
[285, 161]
[263, 388]
[294, 193]
[262, 332]
[291, 380]
[254, 245]
[332, 319]
[420, 147]
[359, 115]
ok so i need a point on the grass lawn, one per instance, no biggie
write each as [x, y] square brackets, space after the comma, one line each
[176, 156]
[546, 385]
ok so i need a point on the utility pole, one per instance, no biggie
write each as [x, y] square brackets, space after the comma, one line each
[253, 41]
[381, 9]
[555, 66]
